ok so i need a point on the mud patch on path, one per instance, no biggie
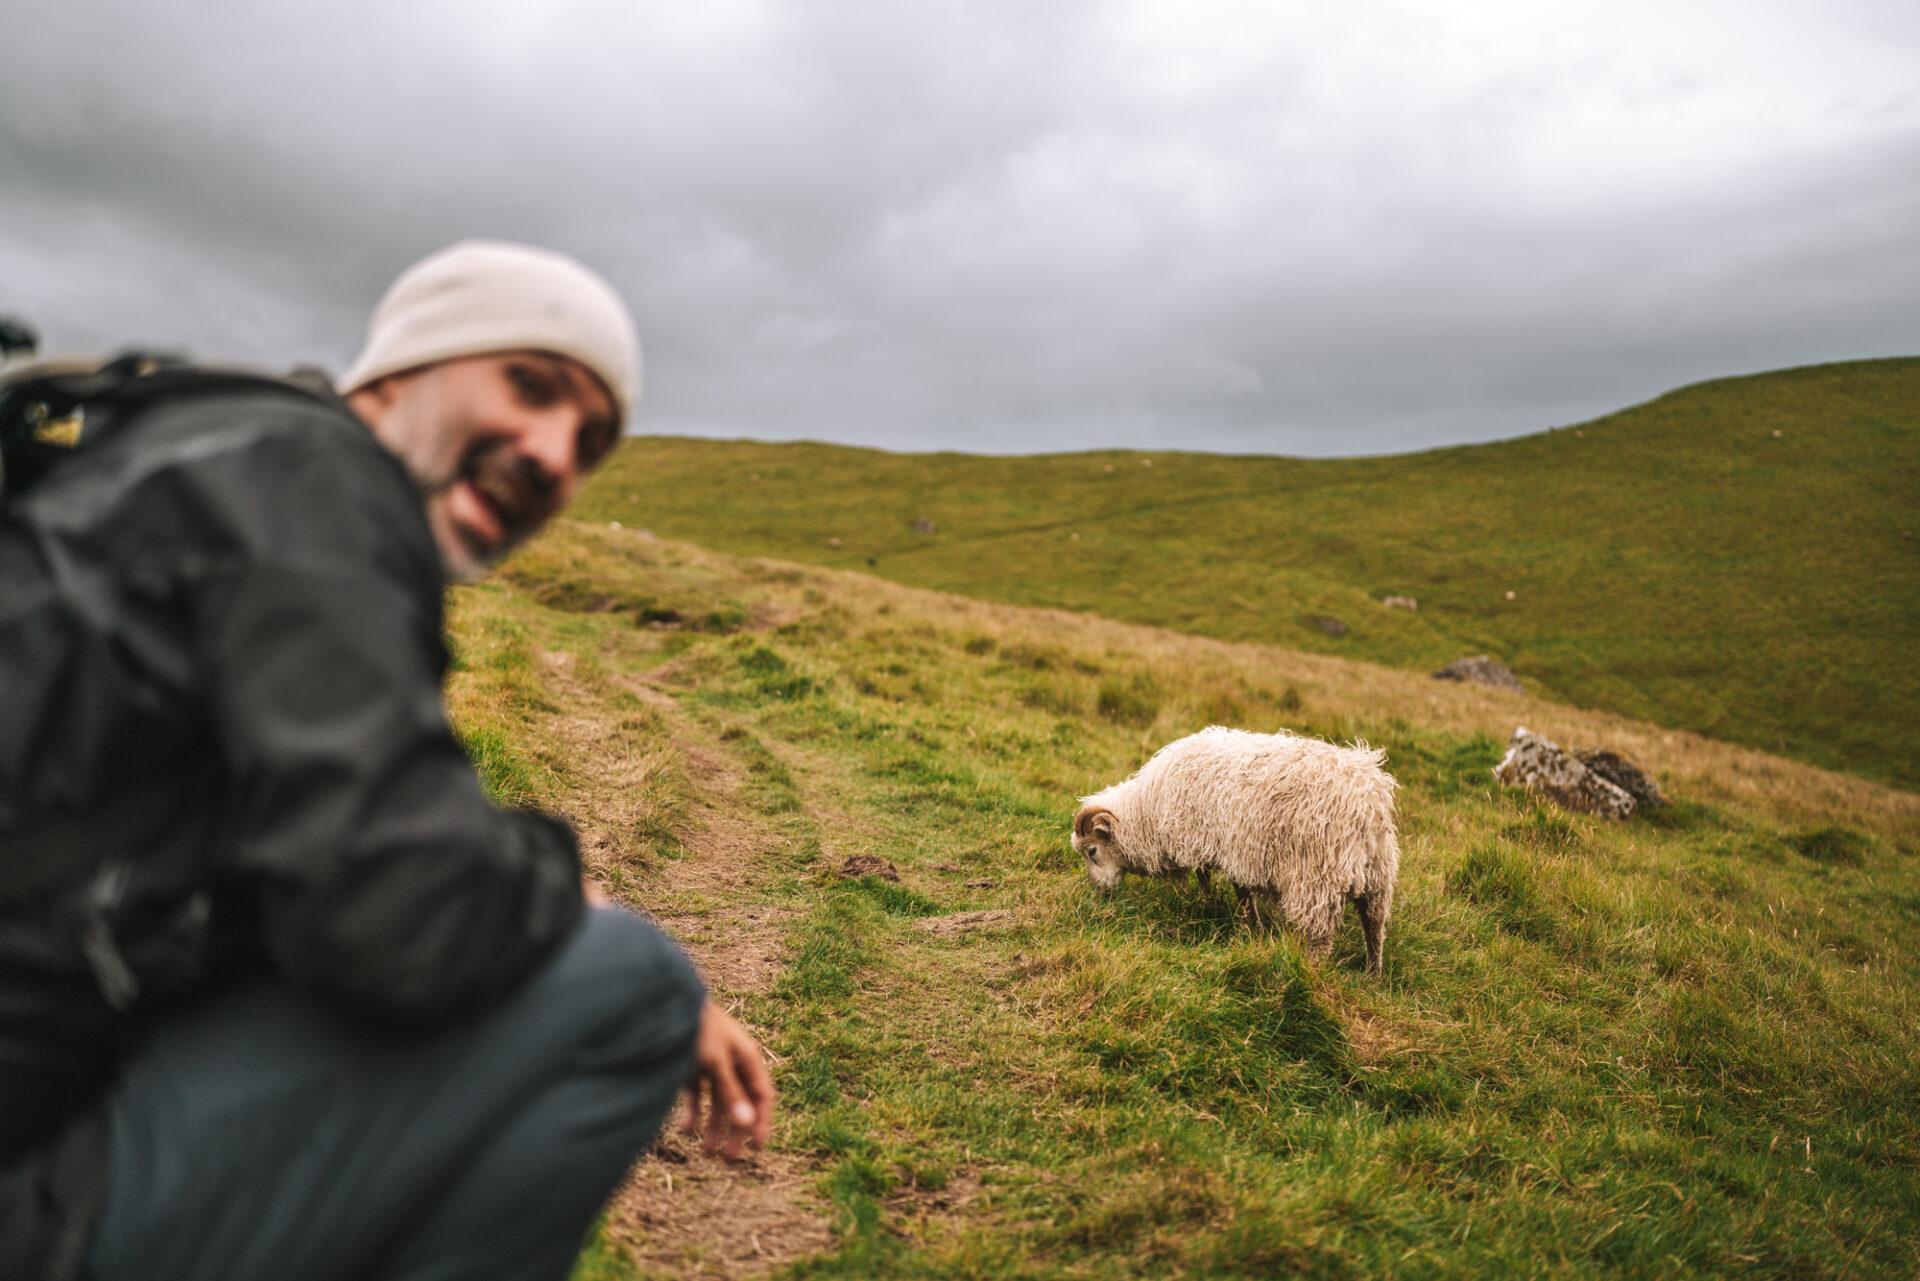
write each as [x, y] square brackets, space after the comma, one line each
[684, 1213]
[958, 923]
[737, 949]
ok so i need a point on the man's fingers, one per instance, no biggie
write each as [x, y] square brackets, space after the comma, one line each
[759, 1085]
[738, 1088]
[729, 1102]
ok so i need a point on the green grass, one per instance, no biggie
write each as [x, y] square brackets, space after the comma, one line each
[1675, 1047]
[1677, 562]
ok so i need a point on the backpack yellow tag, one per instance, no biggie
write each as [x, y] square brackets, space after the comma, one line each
[62, 432]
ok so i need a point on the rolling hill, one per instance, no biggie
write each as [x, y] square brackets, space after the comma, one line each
[1737, 558]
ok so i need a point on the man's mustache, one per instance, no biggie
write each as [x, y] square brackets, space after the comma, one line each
[516, 487]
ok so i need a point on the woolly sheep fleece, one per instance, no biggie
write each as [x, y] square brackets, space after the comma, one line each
[1299, 823]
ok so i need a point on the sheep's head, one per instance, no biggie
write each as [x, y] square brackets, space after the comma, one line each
[1093, 840]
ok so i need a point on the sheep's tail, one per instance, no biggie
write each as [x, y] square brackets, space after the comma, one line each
[1376, 757]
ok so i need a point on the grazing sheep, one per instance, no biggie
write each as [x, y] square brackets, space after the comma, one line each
[1300, 824]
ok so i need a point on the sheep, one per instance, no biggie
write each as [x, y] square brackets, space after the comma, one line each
[1299, 823]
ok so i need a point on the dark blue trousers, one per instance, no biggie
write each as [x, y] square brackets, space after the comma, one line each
[266, 1136]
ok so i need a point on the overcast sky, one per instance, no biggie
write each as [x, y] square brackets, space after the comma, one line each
[1254, 227]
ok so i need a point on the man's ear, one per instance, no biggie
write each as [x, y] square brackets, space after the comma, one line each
[373, 401]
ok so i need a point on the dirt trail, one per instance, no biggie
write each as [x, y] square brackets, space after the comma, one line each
[682, 1212]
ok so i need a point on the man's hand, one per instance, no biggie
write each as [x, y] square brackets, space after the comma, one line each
[730, 1075]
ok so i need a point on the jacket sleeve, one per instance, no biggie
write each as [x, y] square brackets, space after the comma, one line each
[386, 879]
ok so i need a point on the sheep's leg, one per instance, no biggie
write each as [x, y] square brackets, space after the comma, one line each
[1205, 876]
[1248, 905]
[1373, 925]
[1269, 909]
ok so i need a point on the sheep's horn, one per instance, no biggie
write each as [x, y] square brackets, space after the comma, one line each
[1083, 821]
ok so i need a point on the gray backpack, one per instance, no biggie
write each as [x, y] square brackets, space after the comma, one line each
[51, 410]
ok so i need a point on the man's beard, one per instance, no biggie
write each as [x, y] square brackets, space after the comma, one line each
[514, 489]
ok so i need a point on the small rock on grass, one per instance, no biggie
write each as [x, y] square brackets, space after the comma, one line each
[980, 885]
[1481, 670]
[869, 865]
[1624, 773]
[1542, 766]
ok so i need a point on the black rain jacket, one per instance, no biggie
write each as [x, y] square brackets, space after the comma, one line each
[223, 753]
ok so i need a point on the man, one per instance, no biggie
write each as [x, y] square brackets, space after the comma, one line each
[281, 993]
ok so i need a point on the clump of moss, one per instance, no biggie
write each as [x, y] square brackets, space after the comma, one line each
[1841, 846]
[1131, 702]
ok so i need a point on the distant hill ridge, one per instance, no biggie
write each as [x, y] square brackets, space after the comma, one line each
[1740, 557]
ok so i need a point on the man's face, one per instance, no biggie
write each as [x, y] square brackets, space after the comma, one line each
[498, 444]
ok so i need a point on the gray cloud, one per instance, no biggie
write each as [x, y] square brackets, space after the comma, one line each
[1004, 227]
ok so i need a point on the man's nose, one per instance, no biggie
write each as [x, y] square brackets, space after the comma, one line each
[552, 447]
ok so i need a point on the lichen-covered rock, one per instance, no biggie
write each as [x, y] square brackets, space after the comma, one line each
[1401, 602]
[1625, 774]
[1480, 670]
[1540, 765]
[1330, 625]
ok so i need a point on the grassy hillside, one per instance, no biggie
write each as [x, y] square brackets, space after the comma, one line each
[1678, 1047]
[1740, 558]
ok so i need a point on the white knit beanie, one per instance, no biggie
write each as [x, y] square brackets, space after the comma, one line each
[488, 295]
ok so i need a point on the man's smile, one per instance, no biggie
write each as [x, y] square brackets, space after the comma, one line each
[496, 497]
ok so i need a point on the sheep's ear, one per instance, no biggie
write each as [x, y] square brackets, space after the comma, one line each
[1093, 821]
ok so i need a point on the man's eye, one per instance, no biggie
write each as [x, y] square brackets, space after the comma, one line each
[597, 440]
[530, 385]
